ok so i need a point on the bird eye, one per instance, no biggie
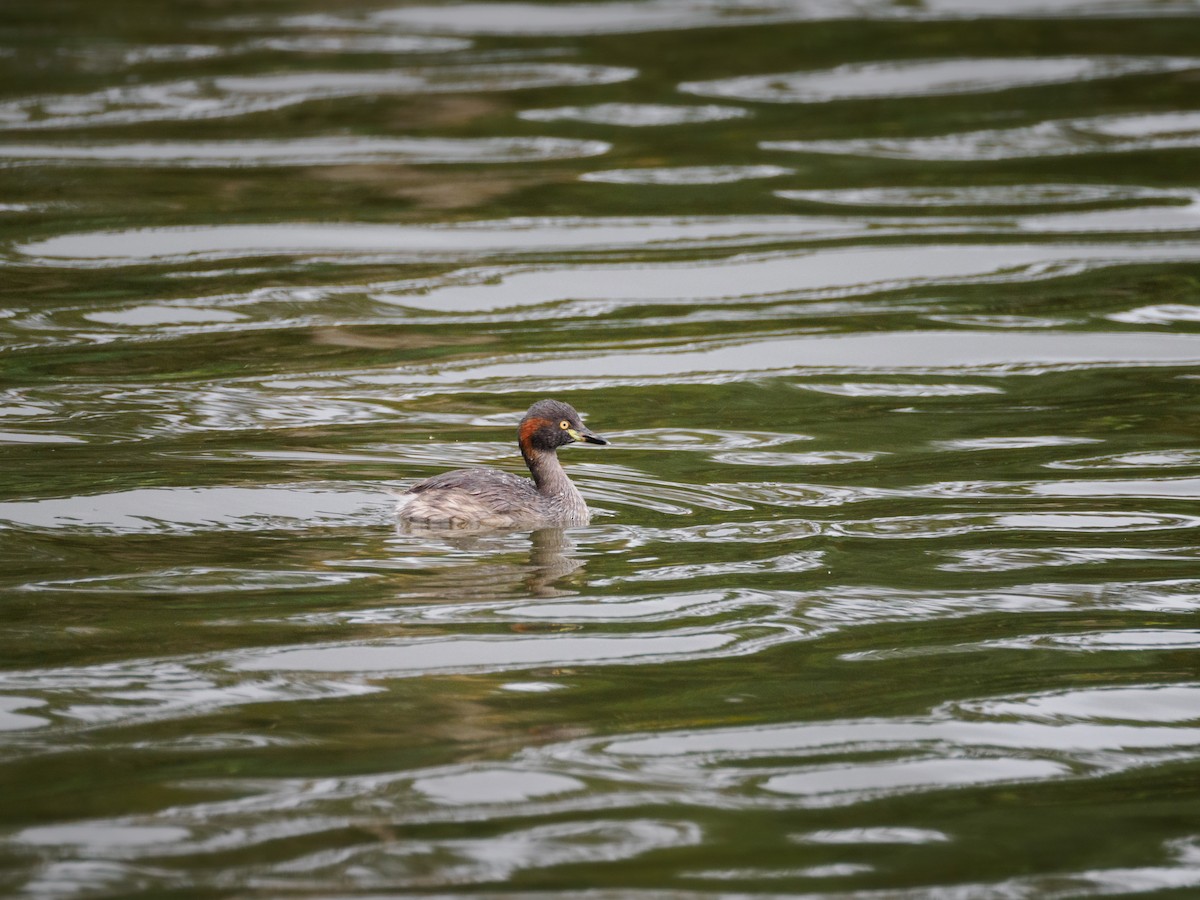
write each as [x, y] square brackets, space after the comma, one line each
[564, 424]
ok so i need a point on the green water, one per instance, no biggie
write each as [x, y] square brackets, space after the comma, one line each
[890, 312]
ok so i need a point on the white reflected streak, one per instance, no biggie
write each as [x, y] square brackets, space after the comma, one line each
[306, 152]
[685, 175]
[1146, 639]
[402, 658]
[229, 95]
[813, 274]
[1013, 443]
[1146, 219]
[103, 837]
[1158, 314]
[836, 785]
[356, 43]
[912, 735]
[364, 865]
[873, 835]
[922, 351]
[1181, 871]
[571, 18]
[494, 786]
[192, 580]
[151, 315]
[1009, 560]
[1100, 134]
[180, 510]
[875, 266]
[816, 613]
[1068, 521]
[635, 115]
[12, 720]
[931, 77]
[533, 235]
[888, 389]
[1170, 488]
[1171, 458]
[148, 690]
[1157, 703]
[118, 57]
[514, 18]
[1014, 195]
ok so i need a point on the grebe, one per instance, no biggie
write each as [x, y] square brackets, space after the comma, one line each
[489, 498]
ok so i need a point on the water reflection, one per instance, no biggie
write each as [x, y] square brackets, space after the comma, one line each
[114, 58]
[474, 239]
[182, 101]
[554, 803]
[1012, 195]
[774, 277]
[424, 657]
[900, 547]
[11, 717]
[930, 77]
[380, 858]
[552, 558]
[63, 701]
[1159, 314]
[184, 510]
[972, 741]
[1147, 459]
[657, 15]
[1128, 133]
[685, 175]
[635, 114]
[927, 352]
[308, 152]
[878, 835]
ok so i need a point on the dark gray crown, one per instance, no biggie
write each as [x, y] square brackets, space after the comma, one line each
[553, 410]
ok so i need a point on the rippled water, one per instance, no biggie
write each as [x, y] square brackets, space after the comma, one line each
[891, 312]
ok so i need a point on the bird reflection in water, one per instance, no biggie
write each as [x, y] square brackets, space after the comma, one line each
[495, 574]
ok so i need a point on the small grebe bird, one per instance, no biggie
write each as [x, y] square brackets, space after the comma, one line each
[489, 498]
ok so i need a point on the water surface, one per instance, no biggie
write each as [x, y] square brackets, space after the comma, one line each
[890, 312]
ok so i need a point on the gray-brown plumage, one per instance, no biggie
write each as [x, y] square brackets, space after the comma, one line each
[489, 498]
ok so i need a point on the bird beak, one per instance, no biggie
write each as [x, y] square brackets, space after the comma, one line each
[582, 434]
